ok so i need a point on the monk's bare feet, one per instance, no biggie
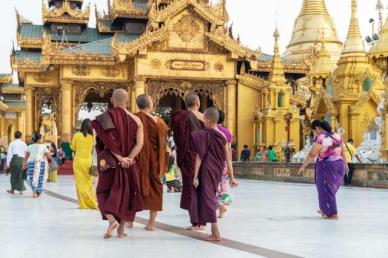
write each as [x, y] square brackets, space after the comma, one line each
[150, 227]
[120, 231]
[129, 224]
[196, 228]
[213, 238]
[112, 226]
[223, 209]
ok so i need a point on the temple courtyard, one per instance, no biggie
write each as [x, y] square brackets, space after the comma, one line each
[265, 220]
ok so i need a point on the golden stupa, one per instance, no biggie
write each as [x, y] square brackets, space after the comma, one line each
[313, 26]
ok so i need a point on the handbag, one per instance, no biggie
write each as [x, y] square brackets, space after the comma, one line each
[106, 160]
[52, 166]
[93, 171]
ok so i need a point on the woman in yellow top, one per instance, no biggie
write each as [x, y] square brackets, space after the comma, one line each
[82, 145]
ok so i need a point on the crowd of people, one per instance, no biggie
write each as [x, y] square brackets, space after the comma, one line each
[131, 154]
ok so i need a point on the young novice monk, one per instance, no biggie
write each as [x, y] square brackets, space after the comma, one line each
[212, 151]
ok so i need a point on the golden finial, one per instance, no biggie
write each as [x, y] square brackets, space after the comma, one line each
[380, 9]
[354, 41]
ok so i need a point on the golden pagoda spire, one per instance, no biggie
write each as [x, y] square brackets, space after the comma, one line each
[354, 42]
[310, 7]
[277, 70]
[311, 21]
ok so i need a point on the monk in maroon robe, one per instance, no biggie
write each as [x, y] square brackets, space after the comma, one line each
[212, 151]
[184, 124]
[152, 158]
[120, 134]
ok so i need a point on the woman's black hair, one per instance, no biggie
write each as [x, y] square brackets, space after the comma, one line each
[322, 124]
[221, 118]
[55, 150]
[86, 127]
[36, 137]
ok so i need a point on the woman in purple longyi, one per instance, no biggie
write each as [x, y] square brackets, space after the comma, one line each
[330, 166]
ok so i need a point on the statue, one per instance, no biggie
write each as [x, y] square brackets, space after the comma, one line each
[370, 149]
[48, 128]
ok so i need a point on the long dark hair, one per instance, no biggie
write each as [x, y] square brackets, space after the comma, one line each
[322, 124]
[54, 147]
[86, 127]
[221, 118]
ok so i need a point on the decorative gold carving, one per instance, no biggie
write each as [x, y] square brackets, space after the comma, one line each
[215, 14]
[111, 72]
[126, 8]
[219, 67]
[132, 47]
[224, 40]
[65, 14]
[155, 63]
[80, 70]
[42, 77]
[186, 28]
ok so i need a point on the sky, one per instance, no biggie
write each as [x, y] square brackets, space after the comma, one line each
[253, 20]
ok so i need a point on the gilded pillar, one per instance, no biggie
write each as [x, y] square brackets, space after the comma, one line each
[203, 99]
[66, 94]
[30, 113]
[140, 88]
[131, 94]
[231, 109]
[20, 123]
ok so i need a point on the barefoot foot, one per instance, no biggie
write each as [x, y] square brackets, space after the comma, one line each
[112, 226]
[120, 231]
[213, 238]
[129, 224]
[150, 227]
[321, 213]
[223, 209]
[196, 228]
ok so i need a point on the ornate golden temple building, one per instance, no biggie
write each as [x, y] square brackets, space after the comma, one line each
[171, 47]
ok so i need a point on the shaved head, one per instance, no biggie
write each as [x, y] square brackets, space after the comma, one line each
[191, 100]
[120, 98]
[212, 115]
[144, 101]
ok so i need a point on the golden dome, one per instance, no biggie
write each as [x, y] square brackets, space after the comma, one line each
[313, 25]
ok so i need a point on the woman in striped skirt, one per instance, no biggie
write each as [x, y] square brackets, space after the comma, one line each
[35, 162]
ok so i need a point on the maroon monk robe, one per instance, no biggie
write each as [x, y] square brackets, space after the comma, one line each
[118, 190]
[184, 124]
[152, 161]
[209, 144]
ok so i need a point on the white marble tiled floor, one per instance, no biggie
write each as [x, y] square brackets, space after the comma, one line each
[276, 216]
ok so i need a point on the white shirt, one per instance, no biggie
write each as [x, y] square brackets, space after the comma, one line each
[18, 148]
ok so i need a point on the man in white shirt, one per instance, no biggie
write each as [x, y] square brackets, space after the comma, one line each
[15, 157]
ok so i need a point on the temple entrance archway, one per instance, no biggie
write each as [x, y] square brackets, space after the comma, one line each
[171, 100]
[94, 102]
